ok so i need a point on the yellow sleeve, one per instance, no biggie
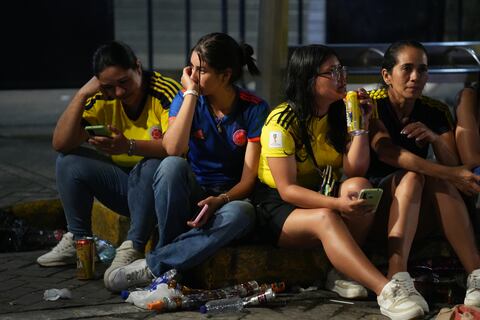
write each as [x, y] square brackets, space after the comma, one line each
[276, 141]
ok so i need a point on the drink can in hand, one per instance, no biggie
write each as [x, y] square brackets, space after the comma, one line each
[355, 120]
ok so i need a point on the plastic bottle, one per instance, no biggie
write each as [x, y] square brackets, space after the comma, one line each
[142, 298]
[55, 294]
[105, 250]
[236, 304]
[170, 277]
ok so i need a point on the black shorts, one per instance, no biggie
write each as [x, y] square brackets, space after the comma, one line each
[272, 212]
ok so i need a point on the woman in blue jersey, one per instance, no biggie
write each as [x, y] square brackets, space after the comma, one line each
[217, 125]
[415, 188]
[301, 138]
[133, 104]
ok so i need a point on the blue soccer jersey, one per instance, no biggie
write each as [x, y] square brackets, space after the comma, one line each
[217, 146]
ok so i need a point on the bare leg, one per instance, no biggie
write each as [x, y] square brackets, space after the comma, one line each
[406, 189]
[455, 222]
[314, 227]
[359, 225]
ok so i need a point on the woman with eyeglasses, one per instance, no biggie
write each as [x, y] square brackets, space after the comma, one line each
[418, 192]
[132, 104]
[201, 200]
[305, 146]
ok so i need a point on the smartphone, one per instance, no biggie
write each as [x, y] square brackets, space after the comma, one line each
[372, 196]
[98, 130]
[200, 215]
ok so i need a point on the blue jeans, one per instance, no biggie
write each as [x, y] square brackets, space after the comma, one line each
[177, 193]
[85, 174]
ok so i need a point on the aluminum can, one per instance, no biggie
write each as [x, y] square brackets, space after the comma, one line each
[354, 113]
[85, 258]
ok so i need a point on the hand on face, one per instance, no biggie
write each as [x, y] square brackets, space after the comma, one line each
[187, 82]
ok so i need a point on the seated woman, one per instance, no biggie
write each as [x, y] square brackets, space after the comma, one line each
[133, 104]
[411, 183]
[302, 137]
[467, 132]
[219, 124]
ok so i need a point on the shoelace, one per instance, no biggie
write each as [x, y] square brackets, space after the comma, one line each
[124, 256]
[398, 292]
[63, 245]
[137, 274]
[407, 285]
[474, 282]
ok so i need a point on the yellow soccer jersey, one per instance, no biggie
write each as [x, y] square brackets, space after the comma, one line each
[151, 124]
[280, 138]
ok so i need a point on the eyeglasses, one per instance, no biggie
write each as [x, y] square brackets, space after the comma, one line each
[337, 73]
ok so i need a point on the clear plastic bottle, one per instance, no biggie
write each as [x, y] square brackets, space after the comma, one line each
[105, 250]
[236, 304]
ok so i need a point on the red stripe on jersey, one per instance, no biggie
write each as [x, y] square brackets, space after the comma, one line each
[254, 139]
[247, 96]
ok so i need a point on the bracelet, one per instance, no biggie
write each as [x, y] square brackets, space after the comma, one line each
[131, 147]
[190, 91]
[225, 197]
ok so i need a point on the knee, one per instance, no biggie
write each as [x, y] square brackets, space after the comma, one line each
[352, 186]
[239, 214]
[145, 168]
[414, 179]
[171, 168]
[67, 165]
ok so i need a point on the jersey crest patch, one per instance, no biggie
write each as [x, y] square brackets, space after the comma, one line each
[275, 139]
[240, 137]
[156, 132]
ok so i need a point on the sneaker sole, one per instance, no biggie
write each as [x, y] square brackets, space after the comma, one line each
[414, 313]
[56, 263]
[350, 295]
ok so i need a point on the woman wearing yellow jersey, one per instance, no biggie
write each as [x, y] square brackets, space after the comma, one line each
[303, 140]
[133, 104]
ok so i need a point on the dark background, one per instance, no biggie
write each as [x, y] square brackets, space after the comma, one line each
[49, 43]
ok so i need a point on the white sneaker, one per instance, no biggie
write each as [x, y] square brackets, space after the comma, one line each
[344, 287]
[135, 274]
[396, 304]
[472, 297]
[125, 254]
[62, 254]
[406, 282]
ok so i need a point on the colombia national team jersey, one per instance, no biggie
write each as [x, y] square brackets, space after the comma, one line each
[150, 125]
[217, 146]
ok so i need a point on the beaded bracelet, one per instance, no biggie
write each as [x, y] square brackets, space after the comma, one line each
[225, 197]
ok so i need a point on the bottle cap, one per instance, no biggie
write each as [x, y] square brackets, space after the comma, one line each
[203, 309]
[124, 294]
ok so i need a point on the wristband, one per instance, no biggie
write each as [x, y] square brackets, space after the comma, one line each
[131, 147]
[225, 198]
[190, 91]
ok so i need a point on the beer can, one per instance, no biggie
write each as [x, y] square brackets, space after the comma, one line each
[354, 113]
[85, 258]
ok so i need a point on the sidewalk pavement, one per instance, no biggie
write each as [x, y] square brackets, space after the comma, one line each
[27, 174]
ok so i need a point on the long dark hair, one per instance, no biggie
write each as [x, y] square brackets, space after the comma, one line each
[302, 71]
[114, 53]
[221, 52]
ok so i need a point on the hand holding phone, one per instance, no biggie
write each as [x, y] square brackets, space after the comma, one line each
[372, 196]
[200, 215]
[98, 130]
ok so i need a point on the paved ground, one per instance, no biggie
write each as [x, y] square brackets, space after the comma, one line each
[27, 173]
